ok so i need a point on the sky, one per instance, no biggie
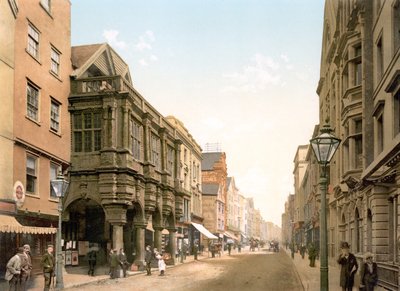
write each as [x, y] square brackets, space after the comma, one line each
[241, 73]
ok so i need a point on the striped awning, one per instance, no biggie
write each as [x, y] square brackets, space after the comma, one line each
[10, 225]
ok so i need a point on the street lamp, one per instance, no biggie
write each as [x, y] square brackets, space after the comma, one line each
[324, 147]
[60, 186]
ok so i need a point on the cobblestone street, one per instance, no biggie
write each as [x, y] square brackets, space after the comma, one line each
[248, 271]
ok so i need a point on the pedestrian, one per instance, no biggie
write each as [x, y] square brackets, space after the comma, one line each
[184, 250]
[349, 267]
[26, 267]
[114, 262]
[161, 264]
[123, 261]
[229, 248]
[239, 247]
[92, 260]
[195, 250]
[13, 271]
[148, 259]
[48, 264]
[369, 273]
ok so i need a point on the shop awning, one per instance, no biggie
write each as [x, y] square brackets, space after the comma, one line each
[11, 225]
[230, 235]
[203, 230]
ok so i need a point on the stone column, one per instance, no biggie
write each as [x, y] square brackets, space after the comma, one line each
[172, 242]
[157, 237]
[139, 260]
[118, 236]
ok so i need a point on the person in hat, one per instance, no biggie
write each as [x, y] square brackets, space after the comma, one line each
[349, 267]
[161, 263]
[13, 272]
[148, 258]
[26, 267]
[369, 272]
[114, 263]
[48, 265]
[92, 259]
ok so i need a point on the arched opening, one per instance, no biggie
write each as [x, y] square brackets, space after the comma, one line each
[86, 227]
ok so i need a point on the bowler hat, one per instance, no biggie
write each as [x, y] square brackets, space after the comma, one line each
[345, 245]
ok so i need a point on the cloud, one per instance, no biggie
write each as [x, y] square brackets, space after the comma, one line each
[145, 41]
[261, 72]
[143, 62]
[285, 58]
[153, 58]
[111, 36]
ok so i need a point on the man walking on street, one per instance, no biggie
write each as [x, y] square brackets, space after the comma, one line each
[48, 264]
[13, 271]
[348, 269]
[123, 261]
[148, 258]
[92, 258]
[114, 264]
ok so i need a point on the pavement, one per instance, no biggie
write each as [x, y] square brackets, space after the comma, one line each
[310, 276]
[77, 276]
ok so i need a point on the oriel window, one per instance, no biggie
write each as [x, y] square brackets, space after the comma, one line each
[87, 131]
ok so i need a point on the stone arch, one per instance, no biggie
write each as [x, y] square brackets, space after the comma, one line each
[134, 217]
[87, 222]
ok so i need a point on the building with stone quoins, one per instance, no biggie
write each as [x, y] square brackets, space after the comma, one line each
[35, 67]
[359, 93]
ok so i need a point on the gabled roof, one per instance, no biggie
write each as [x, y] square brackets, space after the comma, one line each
[210, 189]
[209, 159]
[98, 60]
[81, 54]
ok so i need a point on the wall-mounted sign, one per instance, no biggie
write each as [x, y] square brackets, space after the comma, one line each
[19, 194]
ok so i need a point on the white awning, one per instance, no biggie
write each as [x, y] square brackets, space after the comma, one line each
[203, 230]
[11, 225]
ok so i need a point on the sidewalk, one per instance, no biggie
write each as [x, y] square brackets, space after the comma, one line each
[310, 277]
[77, 276]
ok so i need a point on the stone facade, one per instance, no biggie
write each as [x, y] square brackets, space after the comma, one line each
[189, 176]
[359, 96]
[124, 160]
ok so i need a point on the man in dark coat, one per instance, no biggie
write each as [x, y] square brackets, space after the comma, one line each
[92, 259]
[369, 273]
[123, 261]
[148, 258]
[26, 267]
[348, 269]
[48, 264]
[114, 262]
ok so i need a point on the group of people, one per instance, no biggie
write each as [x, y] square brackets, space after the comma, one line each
[149, 258]
[118, 260]
[349, 267]
[19, 269]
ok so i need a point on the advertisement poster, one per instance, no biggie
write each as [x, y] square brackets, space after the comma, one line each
[74, 257]
[68, 258]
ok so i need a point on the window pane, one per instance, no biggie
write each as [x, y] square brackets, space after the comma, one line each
[88, 120]
[77, 121]
[78, 141]
[53, 175]
[88, 141]
[54, 116]
[97, 140]
[96, 120]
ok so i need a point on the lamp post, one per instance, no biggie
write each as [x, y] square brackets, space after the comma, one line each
[324, 147]
[60, 186]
